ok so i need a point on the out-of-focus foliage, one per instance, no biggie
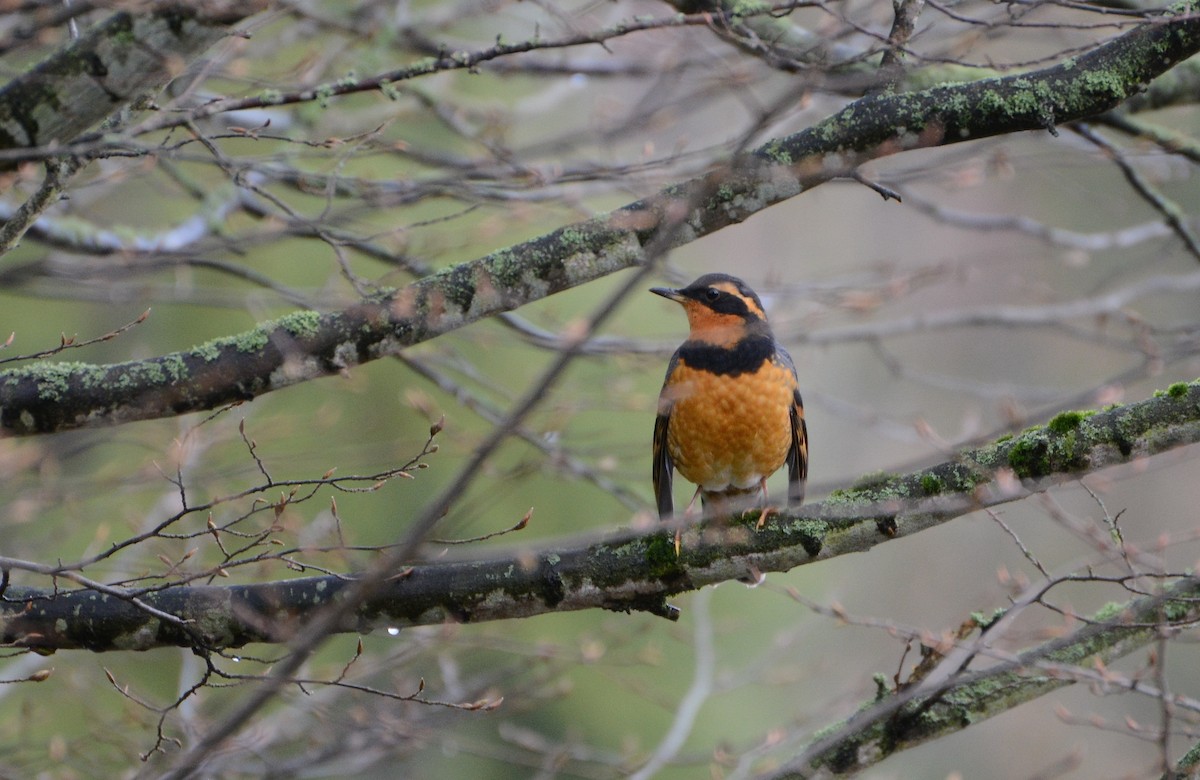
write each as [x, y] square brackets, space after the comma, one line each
[1019, 276]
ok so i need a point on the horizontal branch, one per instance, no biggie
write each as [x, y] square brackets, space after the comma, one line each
[46, 398]
[628, 570]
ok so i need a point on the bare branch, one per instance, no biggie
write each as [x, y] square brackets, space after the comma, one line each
[903, 27]
[1171, 212]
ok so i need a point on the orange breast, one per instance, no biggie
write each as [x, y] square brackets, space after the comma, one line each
[729, 431]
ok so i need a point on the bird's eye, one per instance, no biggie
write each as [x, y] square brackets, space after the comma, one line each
[712, 293]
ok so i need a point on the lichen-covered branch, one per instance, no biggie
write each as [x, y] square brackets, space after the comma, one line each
[627, 570]
[1179, 86]
[46, 398]
[14, 227]
[897, 722]
[110, 65]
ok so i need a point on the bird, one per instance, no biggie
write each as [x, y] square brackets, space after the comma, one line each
[730, 413]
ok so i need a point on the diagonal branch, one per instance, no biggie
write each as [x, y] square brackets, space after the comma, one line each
[900, 722]
[111, 65]
[626, 570]
[19, 222]
[46, 398]
[1172, 214]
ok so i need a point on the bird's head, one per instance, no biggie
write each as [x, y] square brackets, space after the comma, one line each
[720, 308]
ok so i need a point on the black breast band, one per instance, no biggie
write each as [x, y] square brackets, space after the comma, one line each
[746, 356]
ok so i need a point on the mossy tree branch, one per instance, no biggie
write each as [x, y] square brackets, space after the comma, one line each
[47, 398]
[902, 720]
[110, 65]
[625, 571]
[778, 40]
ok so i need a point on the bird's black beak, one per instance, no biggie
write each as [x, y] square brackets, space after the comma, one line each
[667, 292]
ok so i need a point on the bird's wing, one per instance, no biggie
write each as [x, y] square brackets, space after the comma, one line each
[663, 468]
[797, 457]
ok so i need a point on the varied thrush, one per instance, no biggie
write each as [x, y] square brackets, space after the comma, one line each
[730, 413]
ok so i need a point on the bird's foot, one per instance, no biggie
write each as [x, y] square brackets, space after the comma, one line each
[767, 512]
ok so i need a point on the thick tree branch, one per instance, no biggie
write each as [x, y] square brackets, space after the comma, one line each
[625, 571]
[1180, 86]
[46, 398]
[113, 63]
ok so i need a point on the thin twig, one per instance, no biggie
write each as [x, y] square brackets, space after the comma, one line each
[1170, 210]
[703, 679]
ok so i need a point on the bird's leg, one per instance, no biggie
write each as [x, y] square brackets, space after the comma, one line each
[686, 513]
[767, 510]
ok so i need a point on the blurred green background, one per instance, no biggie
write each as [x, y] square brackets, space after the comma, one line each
[854, 286]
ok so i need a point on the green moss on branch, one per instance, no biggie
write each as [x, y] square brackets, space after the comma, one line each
[628, 570]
